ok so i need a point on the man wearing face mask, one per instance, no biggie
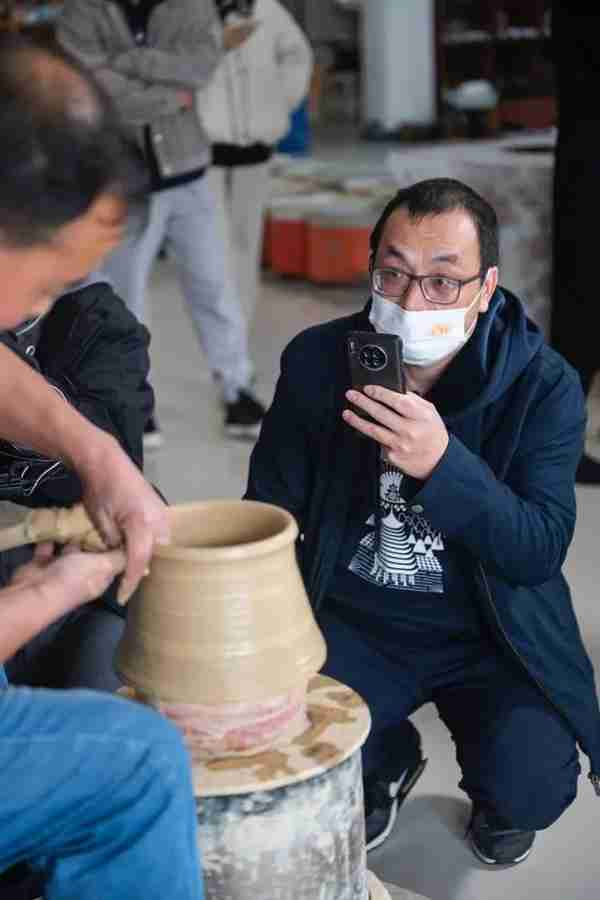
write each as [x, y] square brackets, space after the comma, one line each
[433, 535]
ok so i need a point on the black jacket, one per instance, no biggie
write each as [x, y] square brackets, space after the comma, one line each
[95, 352]
[503, 494]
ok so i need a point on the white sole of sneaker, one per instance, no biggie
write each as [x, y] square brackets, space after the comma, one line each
[401, 789]
[494, 862]
[153, 441]
[242, 432]
[384, 835]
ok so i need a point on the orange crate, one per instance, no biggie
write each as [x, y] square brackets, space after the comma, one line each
[287, 231]
[338, 244]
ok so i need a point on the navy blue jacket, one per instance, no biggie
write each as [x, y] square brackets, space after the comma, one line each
[503, 493]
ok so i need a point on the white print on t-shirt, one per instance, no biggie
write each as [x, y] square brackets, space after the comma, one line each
[406, 558]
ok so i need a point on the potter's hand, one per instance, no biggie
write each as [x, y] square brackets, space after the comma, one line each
[65, 582]
[409, 428]
[125, 509]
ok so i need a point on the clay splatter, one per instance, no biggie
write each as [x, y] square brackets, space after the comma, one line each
[267, 765]
[322, 752]
[319, 681]
[321, 717]
[345, 698]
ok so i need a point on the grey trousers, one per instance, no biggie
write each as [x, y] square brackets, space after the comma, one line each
[241, 193]
[186, 218]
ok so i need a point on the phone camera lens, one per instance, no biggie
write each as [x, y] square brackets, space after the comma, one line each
[373, 358]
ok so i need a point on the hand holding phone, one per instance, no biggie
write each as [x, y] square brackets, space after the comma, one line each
[375, 358]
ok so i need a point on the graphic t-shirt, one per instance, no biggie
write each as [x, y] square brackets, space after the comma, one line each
[397, 572]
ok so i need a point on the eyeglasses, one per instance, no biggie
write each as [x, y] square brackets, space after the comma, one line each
[395, 283]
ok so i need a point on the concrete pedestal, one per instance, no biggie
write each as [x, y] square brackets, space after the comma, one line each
[291, 818]
[288, 823]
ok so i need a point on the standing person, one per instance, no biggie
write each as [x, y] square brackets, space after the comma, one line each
[434, 536]
[96, 791]
[152, 56]
[576, 202]
[246, 110]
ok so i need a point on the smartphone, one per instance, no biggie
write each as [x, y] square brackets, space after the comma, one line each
[375, 358]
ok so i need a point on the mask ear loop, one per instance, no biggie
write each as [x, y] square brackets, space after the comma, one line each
[475, 300]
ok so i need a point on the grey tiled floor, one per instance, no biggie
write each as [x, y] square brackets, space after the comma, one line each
[426, 852]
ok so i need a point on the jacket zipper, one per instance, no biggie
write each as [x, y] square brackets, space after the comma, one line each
[595, 779]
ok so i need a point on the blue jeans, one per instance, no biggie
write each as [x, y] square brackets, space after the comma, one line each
[96, 792]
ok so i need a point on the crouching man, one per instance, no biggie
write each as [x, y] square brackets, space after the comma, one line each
[433, 536]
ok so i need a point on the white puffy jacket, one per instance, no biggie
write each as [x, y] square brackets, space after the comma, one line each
[255, 88]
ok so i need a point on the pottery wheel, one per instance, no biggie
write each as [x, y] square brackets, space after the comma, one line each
[339, 724]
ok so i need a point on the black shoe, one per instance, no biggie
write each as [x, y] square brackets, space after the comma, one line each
[153, 437]
[244, 416]
[496, 845]
[21, 883]
[384, 798]
[588, 471]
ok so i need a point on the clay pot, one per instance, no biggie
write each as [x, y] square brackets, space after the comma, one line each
[222, 618]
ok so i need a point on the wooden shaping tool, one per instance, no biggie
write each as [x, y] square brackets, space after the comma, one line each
[63, 526]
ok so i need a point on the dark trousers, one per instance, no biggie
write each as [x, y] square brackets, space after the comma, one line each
[517, 755]
[76, 651]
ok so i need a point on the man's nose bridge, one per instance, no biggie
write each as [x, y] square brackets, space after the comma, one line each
[413, 297]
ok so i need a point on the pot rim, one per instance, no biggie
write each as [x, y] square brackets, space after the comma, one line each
[262, 547]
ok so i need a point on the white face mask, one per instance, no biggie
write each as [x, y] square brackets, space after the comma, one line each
[428, 335]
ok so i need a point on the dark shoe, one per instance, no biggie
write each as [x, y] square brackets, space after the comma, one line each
[496, 845]
[588, 471]
[243, 418]
[21, 883]
[383, 799]
[153, 436]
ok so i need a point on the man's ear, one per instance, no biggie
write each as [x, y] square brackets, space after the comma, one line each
[489, 286]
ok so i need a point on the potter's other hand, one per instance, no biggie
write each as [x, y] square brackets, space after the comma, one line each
[125, 509]
[409, 428]
[67, 581]
[236, 35]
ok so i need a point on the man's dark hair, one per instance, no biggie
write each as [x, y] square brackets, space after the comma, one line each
[441, 195]
[61, 145]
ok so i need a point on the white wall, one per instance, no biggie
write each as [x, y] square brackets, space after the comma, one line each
[398, 62]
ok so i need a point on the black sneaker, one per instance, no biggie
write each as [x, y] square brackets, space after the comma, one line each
[21, 883]
[383, 799]
[588, 470]
[153, 436]
[244, 416]
[496, 845]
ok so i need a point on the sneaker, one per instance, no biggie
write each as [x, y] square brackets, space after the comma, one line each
[153, 436]
[588, 470]
[496, 845]
[244, 416]
[21, 883]
[383, 799]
